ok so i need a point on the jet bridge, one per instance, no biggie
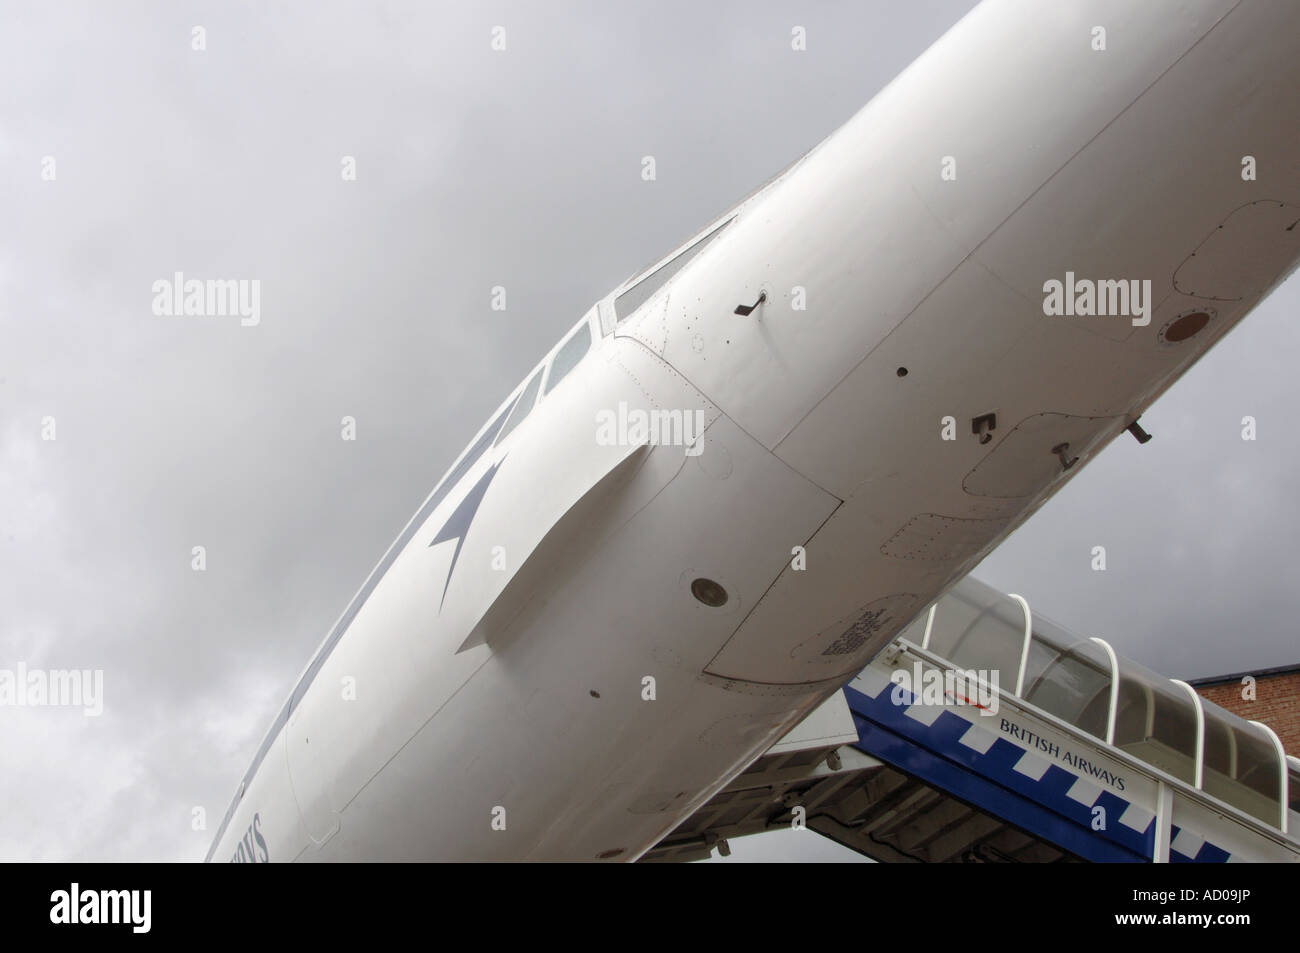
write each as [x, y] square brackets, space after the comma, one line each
[986, 733]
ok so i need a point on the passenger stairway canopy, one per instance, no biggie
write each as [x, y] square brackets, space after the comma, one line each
[1157, 720]
[987, 733]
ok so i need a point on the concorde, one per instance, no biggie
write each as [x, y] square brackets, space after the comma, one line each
[577, 640]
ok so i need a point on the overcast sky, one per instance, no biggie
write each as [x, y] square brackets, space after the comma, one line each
[474, 168]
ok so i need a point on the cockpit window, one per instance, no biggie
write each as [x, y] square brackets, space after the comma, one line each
[471, 455]
[567, 357]
[645, 287]
[522, 408]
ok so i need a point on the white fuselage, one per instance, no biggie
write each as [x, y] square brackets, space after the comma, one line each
[528, 674]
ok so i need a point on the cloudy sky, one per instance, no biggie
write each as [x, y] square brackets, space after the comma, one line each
[127, 155]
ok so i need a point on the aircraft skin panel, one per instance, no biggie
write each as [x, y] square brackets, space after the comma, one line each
[868, 225]
[405, 650]
[980, 342]
[850, 314]
[604, 627]
[570, 541]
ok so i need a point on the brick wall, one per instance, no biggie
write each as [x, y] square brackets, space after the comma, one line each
[1276, 704]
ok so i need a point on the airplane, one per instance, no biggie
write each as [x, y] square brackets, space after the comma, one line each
[751, 465]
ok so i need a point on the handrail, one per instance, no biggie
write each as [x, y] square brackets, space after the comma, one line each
[1113, 707]
[1200, 732]
[1284, 795]
[929, 624]
[1024, 647]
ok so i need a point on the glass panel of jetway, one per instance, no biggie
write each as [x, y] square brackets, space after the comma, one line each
[979, 628]
[1241, 764]
[1155, 721]
[1293, 791]
[1068, 677]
